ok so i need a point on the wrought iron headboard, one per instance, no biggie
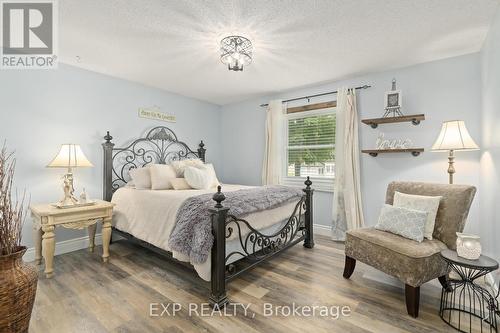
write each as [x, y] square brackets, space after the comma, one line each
[159, 146]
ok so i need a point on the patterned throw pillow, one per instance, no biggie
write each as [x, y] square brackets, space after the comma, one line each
[198, 178]
[409, 223]
[420, 202]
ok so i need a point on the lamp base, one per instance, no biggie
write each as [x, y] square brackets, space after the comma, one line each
[451, 166]
[68, 199]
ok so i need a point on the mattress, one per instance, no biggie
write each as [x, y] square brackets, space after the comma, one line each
[150, 215]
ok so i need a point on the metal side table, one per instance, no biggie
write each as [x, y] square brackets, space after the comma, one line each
[465, 305]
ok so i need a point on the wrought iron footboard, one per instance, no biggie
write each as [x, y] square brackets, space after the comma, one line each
[255, 245]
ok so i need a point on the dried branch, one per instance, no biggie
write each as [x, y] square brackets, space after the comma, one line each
[12, 213]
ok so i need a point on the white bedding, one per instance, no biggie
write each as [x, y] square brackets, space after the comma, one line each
[150, 215]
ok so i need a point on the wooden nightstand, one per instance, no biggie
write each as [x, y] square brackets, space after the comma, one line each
[46, 217]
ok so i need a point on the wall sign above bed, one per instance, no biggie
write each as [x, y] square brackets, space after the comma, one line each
[154, 113]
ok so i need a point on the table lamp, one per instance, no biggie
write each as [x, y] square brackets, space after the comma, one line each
[453, 136]
[70, 156]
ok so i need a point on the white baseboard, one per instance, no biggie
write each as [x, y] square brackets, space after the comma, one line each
[66, 246]
[322, 230]
[76, 244]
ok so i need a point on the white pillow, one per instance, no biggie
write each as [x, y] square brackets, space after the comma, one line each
[211, 170]
[406, 222]
[198, 178]
[161, 175]
[130, 184]
[180, 184]
[179, 166]
[141, 178]
[423, 203]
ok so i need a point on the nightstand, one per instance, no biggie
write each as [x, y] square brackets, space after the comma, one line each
[46, 217]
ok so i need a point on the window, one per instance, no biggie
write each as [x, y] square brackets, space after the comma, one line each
[310, 148]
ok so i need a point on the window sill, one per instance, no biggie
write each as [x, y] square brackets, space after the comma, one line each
[322, 185]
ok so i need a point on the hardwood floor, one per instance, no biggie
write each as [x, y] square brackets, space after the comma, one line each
[86, 295]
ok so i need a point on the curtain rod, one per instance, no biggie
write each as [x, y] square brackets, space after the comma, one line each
[317, 95]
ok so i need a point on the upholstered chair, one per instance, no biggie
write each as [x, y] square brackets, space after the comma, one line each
[411, 262]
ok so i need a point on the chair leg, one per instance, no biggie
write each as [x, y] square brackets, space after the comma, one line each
[444, 282]
[412, 300]
[350, 264]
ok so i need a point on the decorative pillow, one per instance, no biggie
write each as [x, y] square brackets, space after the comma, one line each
[215, 182]
[180, 184]
[409, 223]
[161, 175]
[198, 178]
[423, 203]
[180, 166]
[141, 178]
[130, 184]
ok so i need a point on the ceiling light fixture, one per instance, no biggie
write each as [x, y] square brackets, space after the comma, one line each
[236, 52]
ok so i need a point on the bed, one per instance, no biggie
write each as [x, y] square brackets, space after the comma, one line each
[149, 216]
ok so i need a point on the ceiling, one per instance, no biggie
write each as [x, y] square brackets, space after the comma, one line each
[174, 45]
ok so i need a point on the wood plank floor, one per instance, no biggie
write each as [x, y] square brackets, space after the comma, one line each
[86, 295]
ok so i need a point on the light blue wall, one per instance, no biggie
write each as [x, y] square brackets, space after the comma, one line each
[490, 144]
[42, 109]
[39, 110]
[442, 90]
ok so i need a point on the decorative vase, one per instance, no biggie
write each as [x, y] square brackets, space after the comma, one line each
[18, 282]
[468, 246]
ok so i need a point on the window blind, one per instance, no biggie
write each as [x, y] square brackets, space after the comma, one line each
[311, 146]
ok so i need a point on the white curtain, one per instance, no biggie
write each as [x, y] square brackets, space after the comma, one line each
[271, 168]
[347, 205]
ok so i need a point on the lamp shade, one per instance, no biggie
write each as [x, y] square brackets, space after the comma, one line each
[70, 156]
[454, 136]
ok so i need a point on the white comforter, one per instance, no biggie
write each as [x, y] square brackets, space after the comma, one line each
[150, 216]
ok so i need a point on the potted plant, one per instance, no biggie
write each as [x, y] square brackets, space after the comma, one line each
[18, 280]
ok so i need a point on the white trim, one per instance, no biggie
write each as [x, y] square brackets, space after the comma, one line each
[76, 244]
[66, 246]
[323, 230]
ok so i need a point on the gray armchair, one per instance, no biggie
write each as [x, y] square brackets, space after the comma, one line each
[411, 262]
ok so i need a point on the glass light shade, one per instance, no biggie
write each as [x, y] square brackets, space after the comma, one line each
[70, 156]
[454, 136]
[236, 52]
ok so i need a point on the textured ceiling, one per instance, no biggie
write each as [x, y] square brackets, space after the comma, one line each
[174, 45]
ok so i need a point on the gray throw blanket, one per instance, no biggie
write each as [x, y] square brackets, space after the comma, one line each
[192, 234]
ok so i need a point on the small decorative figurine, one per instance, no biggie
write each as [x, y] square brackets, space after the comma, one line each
[83, 196]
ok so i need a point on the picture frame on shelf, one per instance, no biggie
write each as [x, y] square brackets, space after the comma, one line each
[393, 100]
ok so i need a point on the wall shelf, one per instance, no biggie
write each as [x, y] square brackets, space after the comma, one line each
[375, 152]
[414, 119]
